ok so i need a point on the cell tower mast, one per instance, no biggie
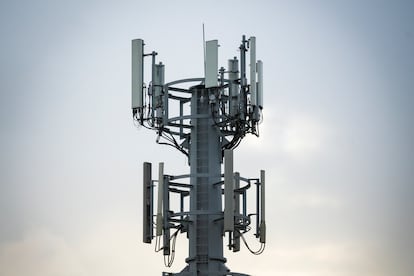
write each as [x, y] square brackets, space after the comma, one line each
[212, 115]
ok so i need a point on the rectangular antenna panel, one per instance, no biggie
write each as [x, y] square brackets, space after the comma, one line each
[260, 83]
[263, 208]
[160, 198]
[252, 46]
[233, 86]
[158, 79]
[158, 83]
[211, 63]
[137, 72]
[228, 191]
[166, 207]
[147, 204]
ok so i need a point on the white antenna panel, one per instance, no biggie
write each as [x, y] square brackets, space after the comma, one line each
[211, 63]
[263, 208]
[233, 86]
[160, 197]
[137, 78]
[252, 46]
[260, 83]
[158, 83]
[158, 79]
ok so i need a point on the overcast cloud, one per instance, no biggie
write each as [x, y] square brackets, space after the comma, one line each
[336, 140]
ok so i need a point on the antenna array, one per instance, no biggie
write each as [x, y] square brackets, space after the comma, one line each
[212, 115]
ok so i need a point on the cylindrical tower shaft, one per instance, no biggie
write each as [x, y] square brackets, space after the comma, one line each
[205, 231]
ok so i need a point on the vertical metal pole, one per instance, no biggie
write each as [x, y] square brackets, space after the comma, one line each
[165, 107]
[243, 80]
[228, 191]
[153, 77]
[181, 120]
[236, 234]
[182, 205]
[257, 207]
[244, 203]
[243, 62]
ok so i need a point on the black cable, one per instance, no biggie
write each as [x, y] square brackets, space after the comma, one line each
[158, 247]
[172, 140]
[259, 251]
[169, 259]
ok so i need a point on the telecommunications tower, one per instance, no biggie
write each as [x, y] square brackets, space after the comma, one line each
[204, 118]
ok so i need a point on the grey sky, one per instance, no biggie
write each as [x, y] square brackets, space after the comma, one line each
[337, 137]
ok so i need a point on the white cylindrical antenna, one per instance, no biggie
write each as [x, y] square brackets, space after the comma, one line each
[228, 191]
[211, 63]
[260, 84]
[252, 49]
[262, 208]
[160, 197]
[233, 86]
[137, 78]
